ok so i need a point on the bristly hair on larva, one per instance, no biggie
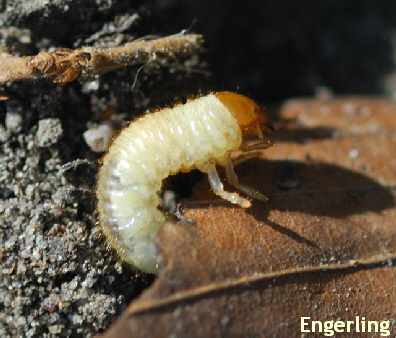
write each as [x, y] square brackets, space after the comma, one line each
[199, 134]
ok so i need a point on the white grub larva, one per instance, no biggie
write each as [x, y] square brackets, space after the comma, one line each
[196, 135]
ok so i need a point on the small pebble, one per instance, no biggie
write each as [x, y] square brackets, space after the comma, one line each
[99, 137]
[49, 132]
[13, 122]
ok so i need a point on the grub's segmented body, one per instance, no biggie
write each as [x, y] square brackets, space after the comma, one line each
[195, 135]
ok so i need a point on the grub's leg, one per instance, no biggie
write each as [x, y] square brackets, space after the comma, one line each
[262, 144]
[233, 180]
[218, 189]
[245, 157]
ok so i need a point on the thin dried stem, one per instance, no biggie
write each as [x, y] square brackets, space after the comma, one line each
[65, 65]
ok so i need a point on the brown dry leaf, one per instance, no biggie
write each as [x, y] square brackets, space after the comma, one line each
[323, 247]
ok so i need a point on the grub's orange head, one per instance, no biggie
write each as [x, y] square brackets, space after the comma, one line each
[250, 116]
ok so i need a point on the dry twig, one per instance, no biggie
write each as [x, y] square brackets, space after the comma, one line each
[65, 65]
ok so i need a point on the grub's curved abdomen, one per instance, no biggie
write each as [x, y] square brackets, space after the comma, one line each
[151, 148]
